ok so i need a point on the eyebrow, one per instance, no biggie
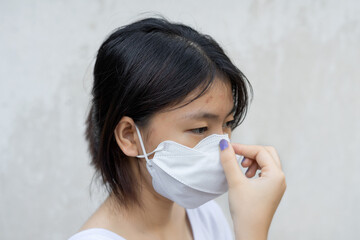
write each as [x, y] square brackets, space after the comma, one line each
[206, 115]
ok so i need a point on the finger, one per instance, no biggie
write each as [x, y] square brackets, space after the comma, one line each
[246, 162]
[258, 153]
[231, 167]
[252, 170]
[274, 154]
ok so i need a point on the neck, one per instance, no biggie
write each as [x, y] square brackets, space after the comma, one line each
[156, 215]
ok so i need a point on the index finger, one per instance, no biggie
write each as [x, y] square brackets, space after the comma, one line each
[258, 153]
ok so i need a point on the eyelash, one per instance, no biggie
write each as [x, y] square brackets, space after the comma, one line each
[201, 130]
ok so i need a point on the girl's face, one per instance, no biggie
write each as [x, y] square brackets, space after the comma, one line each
[212, 113]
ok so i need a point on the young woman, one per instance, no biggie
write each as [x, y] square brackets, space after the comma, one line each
[165, 100]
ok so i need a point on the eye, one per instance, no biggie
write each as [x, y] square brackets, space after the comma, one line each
[230, 124]
[199, 130]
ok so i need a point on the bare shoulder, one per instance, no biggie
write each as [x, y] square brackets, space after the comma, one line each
[99, 219]
[105, 218]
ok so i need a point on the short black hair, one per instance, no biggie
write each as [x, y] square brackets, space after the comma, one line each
[141, 69]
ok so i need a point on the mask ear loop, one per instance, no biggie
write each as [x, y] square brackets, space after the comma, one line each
[143, 148]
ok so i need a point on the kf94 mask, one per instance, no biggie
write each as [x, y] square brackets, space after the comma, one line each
[188, 176]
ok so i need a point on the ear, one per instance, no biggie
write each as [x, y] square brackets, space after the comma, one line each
[126, 135]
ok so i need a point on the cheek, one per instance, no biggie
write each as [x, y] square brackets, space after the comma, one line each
[190, 141]
[143, 170]
[144, 175]
[151, 141]
[163, 129]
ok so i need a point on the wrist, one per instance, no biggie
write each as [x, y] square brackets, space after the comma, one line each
[246, 230]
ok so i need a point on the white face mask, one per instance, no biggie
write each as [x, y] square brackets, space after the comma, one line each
[188, 176]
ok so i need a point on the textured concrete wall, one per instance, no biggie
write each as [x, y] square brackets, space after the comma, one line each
[301, 56]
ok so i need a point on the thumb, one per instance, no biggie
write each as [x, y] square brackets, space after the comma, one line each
[231, 167]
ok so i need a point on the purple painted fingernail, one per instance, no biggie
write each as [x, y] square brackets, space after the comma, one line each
[223, 144]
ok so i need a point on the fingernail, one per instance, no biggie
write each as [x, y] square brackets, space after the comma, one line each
[223, 144]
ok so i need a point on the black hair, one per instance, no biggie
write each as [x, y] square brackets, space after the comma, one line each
[141, 69]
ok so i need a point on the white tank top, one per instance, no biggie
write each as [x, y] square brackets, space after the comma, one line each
[207, 222]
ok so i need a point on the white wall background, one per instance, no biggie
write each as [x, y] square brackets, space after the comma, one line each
[302, 58]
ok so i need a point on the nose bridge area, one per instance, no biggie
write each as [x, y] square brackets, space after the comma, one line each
[219, 129]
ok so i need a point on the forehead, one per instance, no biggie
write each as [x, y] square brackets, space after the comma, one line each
[217, 99]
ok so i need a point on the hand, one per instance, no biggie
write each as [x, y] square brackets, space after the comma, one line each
[252, 202]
